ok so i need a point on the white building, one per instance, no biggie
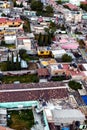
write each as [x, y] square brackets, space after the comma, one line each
[26, 45]
[67, 116]
[58, 53]
[3, 114]
[56, 69]
[10, 39]
[74, 16]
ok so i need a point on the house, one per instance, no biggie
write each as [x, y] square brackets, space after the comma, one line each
[43, 73]
[3, 120]
[6, 23]
[46, 62]
[39, 29]
[71, 6]
[18, 9]
[44, 53]
[72, 16]
[5, 4]
[26, 44]
[58, 53]
[10, 39]
[29, 13]
[67, 116]
[22, 62]
[6, 11]
[56, 70]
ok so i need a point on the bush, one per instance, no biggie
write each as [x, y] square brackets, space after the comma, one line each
[74, 85]
[66, 58]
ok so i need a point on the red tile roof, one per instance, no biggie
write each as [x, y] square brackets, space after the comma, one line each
[73, 73]
[43, 72]
[3, 20]
[24, 92]
[71, 6]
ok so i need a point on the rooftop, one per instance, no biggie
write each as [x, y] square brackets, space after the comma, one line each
[32, 91]
[71, 6]
[43, 72]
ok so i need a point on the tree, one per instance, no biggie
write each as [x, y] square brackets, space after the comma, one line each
[22, 52]
[49, 9]
[40, 40]
[15, 5]
[44, 40]
[3, 15]
[49, 39]
[81, 43]
[21, 5]
[59, 1]
[83, 6]
[66, 58]
[62, 27]
[74, 85]
[2, 43]
[26, 26]
[36, 5]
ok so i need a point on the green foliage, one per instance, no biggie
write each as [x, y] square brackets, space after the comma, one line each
[77, 32]
[66, 58]
[49, 9]
[74, 85]
[2, 43]
[26, 26]
[59, 2]
[17, 5]
[3, 15]
[52, 27]
[10, 46]
[40, 40]
[81, 43]
[11, 65]
[63, 27]
[83, 6]
[22, 119]
[58, 78]
[36, 5]
[21, 5]
[29, 78]
[85, 121]
[23, 55]
[44, 40]
[21, 52]
[51, 30]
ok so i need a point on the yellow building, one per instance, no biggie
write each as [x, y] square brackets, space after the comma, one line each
[6, 5]
[44, 53]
